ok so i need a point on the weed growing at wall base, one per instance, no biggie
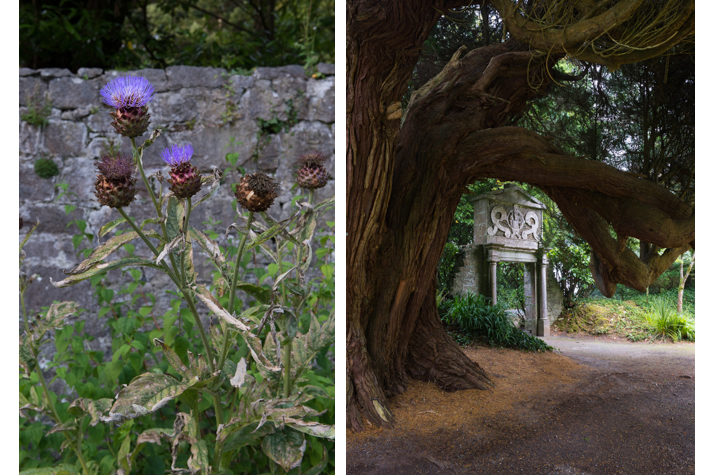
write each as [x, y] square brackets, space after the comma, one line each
[248, 390]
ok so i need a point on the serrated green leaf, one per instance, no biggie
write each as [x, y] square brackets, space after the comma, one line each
[237, 434]
[261, 294]
[306, 346]
[62, 469]
[104, 267]
[173, 223]
[106, 228]
[146, 393]
[102, 252]
[321, 465]
[285, 447]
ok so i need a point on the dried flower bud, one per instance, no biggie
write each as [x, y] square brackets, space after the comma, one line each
[185, 179]
[115, 185]
[130, 96]
[311, 174]
[256, 192]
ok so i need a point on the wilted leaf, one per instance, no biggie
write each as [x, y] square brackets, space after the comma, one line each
[146, 393]
[285, 447]
[213, 181]
[102, 252]
[240, 374]
[306, 346]
[101, 268]
[154, 436]
[313, 428]
[208, 299]
[168, 248]
[199, 458]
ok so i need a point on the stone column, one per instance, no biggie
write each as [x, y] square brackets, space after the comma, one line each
[493, 278]
[543, 323]
[530, 290]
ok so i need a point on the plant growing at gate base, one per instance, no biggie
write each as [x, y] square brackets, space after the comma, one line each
[251, 393]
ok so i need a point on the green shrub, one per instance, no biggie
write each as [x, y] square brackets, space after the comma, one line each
[46, 168]
[668, 323]
[474, 316]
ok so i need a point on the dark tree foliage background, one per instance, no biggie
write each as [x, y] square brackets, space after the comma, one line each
[232, 34]
[640, 118]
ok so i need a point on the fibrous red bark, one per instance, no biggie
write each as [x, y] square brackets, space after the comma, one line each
[406, 177]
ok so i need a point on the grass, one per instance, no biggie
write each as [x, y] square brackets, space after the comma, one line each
[639, 318]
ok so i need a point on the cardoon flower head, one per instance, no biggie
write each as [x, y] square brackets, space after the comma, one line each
[130, 96]
[311, 174]
[185, 179]
[256, 192]
[115, 185]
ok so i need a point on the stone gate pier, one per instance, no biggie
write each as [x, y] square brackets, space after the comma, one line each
[508, 228]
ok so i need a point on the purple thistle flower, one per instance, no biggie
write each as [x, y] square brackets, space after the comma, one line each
[177, 154]
[127, 92]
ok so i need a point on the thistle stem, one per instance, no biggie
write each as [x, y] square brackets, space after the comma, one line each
[58, 420]
[233, 288]
[180, 286]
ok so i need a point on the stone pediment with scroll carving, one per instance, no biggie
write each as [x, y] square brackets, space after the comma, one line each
[509, 218]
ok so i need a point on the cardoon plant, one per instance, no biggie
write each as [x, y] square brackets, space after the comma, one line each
[243, 392]
[129, 96]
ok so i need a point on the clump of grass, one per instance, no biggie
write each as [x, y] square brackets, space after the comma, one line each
[473, 316]
[668, 323]
[46, 168]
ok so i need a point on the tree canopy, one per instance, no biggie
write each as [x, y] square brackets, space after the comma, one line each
[159, 33]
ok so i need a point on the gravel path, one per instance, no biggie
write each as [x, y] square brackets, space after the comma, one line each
[596, 406]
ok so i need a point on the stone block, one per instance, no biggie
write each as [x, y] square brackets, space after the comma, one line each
[80, 174]
[72, 92]
[64, 139]
[270, 154]
[281, 71]
[89, 73]
[211, 144]
[32, 90]
[260, 102]
[51, 73]
[100, 120]
[52, 217]
[156, 77]
[321, 105]
[325, 68]
[28, 72]
[192, 76]
[29, 138]
[34, 188]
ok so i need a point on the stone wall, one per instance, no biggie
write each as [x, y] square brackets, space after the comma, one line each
[268, 118]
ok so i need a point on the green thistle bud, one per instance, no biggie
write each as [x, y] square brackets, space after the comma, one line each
[256, 192]
[115, 185]
[311, 174]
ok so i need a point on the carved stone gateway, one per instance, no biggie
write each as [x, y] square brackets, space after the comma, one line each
[508, 228]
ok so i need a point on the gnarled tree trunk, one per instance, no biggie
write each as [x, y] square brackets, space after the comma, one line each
[405, 180]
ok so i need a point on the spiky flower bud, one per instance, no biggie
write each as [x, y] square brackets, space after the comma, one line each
[115, 185]
[185, 179]
[130, 96]
[311, 174]
[256, 192]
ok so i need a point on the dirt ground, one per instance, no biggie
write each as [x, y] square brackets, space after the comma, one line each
[593, 406]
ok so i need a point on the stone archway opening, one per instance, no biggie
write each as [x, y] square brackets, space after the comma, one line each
[508, 228]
